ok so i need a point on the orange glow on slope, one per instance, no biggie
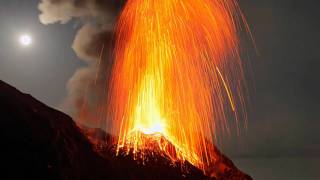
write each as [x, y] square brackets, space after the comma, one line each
[177, 74]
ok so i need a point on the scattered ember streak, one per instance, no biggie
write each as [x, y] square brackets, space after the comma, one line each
[177, 76]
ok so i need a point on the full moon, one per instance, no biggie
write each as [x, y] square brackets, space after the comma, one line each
[25, 40]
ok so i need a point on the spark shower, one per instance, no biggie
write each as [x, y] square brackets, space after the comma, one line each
[177, 75]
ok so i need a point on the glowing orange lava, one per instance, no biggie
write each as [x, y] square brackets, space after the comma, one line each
[177, 74]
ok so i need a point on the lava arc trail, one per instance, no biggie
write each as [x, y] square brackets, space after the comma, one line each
[177, 74]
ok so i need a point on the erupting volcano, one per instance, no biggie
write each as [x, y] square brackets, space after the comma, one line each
[177, 76]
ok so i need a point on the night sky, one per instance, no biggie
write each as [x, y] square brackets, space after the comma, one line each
[282, 140]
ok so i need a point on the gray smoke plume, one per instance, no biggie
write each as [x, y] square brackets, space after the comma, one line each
[92, 43]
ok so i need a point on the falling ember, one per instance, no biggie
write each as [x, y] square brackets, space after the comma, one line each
[177, 75]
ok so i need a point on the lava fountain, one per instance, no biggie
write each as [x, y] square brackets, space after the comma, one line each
[177, 75]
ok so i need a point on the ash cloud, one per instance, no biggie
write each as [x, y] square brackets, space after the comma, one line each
[53, 11]
[93, 41]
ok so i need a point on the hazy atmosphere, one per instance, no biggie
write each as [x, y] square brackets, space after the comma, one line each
[53, 57]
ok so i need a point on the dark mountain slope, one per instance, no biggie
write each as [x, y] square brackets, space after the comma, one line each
[39, 142]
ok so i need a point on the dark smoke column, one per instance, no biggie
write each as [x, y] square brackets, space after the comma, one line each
[92, 44]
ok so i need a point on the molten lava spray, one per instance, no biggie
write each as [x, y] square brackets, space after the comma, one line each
[177, 74]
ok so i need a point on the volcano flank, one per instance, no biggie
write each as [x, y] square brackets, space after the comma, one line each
[42, 143]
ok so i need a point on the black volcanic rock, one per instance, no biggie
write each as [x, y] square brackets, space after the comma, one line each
[39, 142]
